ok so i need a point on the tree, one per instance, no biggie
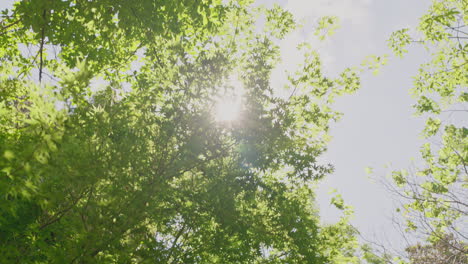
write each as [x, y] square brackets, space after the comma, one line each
[441, 252]
[110, 152]
[435, 194]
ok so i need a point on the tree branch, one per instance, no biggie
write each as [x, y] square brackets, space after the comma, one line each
[41, 48]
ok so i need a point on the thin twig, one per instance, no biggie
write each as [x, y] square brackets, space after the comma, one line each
[41, 49]
[4, 28]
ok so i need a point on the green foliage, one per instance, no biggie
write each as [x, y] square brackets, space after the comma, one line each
[279, 21]
[374, 63]
[327, 26]
[113, 154]
[373, 258]
[432, 127]
[436, 192]
[398, 41]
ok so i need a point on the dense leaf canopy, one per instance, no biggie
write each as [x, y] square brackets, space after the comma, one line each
[110, 152]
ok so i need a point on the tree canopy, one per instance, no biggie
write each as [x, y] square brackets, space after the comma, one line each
[110, 152]
[435, 193]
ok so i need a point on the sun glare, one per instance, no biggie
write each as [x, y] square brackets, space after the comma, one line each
[227, 109]
[228, 106]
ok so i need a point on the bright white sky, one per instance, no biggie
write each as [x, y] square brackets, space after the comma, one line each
[378, 127]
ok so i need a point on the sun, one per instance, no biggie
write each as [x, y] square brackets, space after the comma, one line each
[227, 109]
[229, 104]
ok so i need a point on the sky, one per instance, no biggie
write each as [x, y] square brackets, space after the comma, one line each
[378, 126]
